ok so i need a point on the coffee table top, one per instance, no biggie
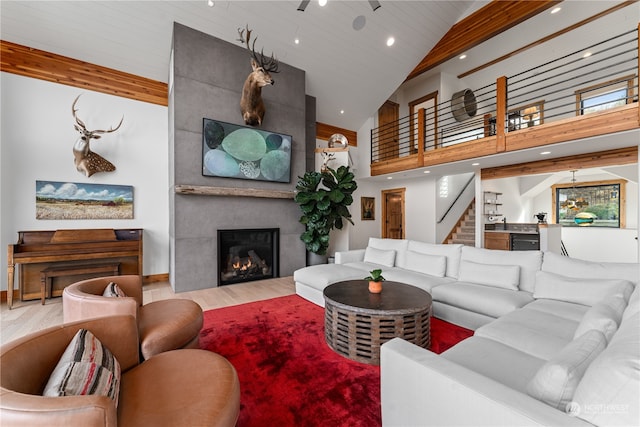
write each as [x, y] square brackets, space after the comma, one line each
[395, 297]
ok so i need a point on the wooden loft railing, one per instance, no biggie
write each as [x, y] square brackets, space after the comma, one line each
[543, 109]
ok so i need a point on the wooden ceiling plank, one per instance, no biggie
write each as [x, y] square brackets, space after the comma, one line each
[492, 19]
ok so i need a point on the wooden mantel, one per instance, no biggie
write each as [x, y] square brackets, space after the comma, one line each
[230, 191]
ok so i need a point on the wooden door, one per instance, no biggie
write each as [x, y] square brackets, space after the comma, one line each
[388, 137]
[430, 104]
[393, 213]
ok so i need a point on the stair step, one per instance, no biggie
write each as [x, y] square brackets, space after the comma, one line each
[463, 242]
[464, 236]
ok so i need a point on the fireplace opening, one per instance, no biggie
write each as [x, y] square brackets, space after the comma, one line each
[245, 255]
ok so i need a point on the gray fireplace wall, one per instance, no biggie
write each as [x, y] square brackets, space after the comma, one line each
[206, 79]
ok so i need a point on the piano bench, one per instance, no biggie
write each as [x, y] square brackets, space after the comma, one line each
[46, 276]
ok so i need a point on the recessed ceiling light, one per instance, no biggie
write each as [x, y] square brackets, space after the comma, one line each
[555, 10]
[464, 55]
[586, 54]
[390, 41]
[389, 177]
[211, 3]
[426, 172]
[296, 40]
[475, 164]
[341, 111]
[322, 3]
[544, 153]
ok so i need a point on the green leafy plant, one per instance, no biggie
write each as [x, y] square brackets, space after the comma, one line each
[324, 198]
[375, 276]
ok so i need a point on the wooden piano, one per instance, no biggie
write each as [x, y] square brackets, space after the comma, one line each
[37, 251]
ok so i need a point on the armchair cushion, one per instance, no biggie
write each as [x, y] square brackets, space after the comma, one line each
[86, 367]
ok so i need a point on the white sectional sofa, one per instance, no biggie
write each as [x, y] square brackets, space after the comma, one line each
[556, 342]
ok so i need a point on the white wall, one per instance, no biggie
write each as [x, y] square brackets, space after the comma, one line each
[37, 137]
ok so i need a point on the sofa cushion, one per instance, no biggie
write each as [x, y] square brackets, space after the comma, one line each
[500, 276]
[495, 360]
[423, 281]
[604, 316]
[529, 262]
[633, 305]
[322, 275]
[384, 257]
[555, 263]
[85, 367]
[610, 388]
[533, 332]
[452, 252]
[563, 309]
[433, 265]
[113, 290]
[578, 290]
[388, 244]
[556, 381]
[486, 300]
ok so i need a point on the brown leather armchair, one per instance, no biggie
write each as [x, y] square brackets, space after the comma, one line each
[163, 325]
[181, 387]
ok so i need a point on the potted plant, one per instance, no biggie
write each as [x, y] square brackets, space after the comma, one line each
[375, 281]
[324, 198]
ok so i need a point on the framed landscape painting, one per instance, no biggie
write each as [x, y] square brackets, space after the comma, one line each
[235, 151]
[69, 200]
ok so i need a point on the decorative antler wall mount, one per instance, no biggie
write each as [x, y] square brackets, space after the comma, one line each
[251, 104]
[86, 161]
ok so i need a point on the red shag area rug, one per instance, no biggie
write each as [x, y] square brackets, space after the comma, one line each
[288, 374]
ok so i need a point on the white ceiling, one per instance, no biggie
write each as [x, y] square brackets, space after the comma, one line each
[345, 69]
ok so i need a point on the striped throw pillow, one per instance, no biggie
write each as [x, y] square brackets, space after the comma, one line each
[113, 290]
[86, 367]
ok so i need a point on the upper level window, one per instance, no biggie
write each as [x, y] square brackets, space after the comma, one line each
[604, 96]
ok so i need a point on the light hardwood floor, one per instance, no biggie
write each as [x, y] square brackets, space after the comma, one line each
[30, 316]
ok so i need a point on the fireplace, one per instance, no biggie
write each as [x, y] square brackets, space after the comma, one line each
[245, 255]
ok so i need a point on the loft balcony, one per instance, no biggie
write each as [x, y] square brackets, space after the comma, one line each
[587, 93]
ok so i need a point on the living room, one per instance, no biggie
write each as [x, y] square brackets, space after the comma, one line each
[42, 151]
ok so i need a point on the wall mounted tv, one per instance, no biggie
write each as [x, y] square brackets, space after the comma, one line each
[235, 151]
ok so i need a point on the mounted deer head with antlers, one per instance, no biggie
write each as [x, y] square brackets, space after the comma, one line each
[251, 103]
[87, 161]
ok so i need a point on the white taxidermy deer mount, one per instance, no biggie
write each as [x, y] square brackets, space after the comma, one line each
[251, 103]
[87, 161]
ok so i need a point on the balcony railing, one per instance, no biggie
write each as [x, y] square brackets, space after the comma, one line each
[582, 85]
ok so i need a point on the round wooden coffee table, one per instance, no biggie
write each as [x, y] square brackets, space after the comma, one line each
[357, 322]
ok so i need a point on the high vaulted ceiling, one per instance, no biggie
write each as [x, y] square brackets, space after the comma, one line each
[346, 69]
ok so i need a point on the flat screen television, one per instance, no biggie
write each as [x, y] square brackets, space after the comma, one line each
[241, 152]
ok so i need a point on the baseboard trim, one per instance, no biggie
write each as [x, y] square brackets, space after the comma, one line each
[152, 278]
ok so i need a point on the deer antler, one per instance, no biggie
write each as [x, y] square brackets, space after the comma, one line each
[270, 64]
[81, 127]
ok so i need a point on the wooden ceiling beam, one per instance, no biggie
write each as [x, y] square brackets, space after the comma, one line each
[621, 156]
[324, 132]
[480, 26]
[39, 64]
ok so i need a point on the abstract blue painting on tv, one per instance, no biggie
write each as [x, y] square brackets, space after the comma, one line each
[235, 151]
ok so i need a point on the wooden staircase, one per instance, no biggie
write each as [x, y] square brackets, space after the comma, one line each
[465, 229]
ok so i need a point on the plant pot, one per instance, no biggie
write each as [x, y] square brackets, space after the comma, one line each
[375, 287]
[315, 259]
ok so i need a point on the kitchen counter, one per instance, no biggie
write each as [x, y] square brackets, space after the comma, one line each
[519, 228]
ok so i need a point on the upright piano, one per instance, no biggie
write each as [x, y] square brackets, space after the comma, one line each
[39, 250]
